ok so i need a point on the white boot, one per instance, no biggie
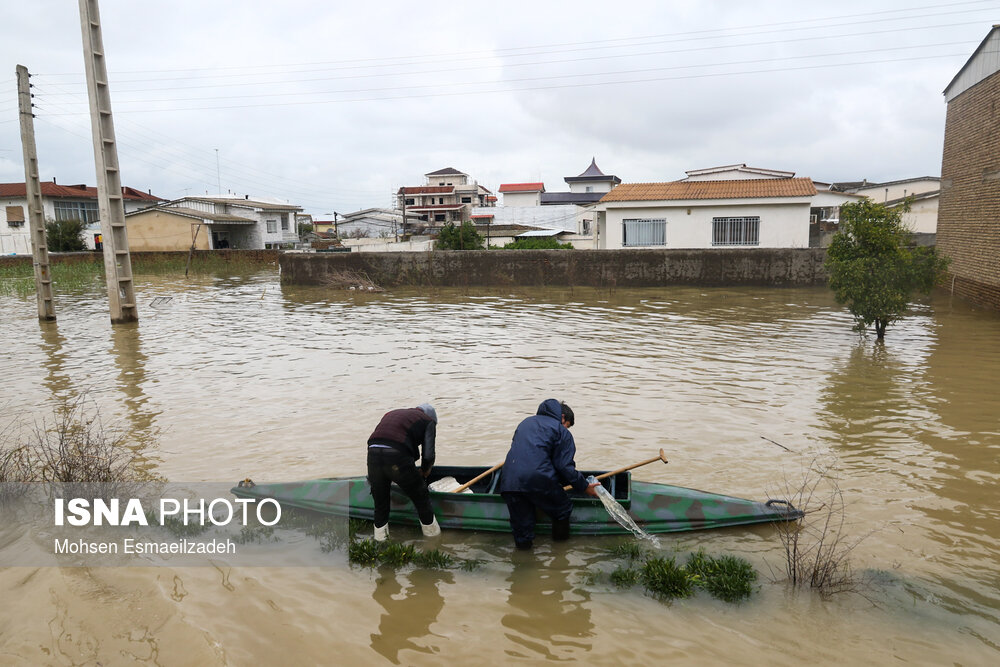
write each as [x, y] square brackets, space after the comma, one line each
[382, 534]
[431, 529]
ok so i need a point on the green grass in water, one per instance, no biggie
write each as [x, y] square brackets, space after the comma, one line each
[728, 578]
[665, 579]
[625, 577]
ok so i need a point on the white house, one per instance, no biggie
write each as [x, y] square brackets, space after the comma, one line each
[522, 194]
[214, 222]
[375, 223]
[765, 212]
[59, 202]
[922, 193]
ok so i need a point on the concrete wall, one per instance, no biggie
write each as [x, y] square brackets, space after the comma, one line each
[158, 230]
[597, 268]
[968, 227]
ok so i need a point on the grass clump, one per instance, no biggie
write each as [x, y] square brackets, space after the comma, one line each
[435, 558]
[665, 579]
[625, 577]
[727, 578]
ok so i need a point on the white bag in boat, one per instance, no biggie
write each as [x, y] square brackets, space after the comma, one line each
[446, 485]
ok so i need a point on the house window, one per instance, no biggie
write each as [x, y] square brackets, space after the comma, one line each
[586, 226]
[284, 222]
[589, 188]
[272, 226]
[736, 231]
[439, 217]
[440, 200]
[15, 216]
[84, 211]
[409, 201]
[466, 200]
[643, 232]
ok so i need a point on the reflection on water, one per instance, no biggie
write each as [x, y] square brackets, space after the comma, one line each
[548, 618]
[412, 603]
[224, 378]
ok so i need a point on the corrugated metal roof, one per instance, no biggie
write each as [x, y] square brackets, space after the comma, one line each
[194, 213]
[734, 189]
[544, 232]
[983, 63]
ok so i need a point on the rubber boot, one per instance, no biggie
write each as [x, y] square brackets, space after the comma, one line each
[382, 534]
[431, 529]
[560, 530]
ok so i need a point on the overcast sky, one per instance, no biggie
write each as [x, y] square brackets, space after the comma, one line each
[334, 105]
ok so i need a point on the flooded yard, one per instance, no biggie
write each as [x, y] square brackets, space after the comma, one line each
[230, 377]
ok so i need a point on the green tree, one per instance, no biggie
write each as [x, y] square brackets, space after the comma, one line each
[65, 235]
[538, 243]
[305, 228]
[872, 267]
[459, 238]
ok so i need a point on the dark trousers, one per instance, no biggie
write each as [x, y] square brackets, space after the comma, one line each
[385, 466]
[521, 506]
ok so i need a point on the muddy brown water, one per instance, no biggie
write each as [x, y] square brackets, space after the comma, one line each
[228, 377]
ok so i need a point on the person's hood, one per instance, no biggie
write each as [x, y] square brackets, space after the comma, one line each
[551, 408]
[429, 411]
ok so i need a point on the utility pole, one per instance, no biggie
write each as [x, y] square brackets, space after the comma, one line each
[402, 198]
[218, 171]
[33, 192]
[117, 260]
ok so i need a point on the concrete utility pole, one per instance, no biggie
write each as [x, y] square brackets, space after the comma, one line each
[33, 192]
[117, 260]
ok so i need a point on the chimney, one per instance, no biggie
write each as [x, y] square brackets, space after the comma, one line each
[53, 180]
[246, 196]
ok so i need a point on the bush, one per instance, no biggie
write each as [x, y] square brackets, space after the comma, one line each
[538, 243]
[65, 235]
[459, 238]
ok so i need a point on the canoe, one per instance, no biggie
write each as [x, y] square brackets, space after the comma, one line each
[656, 508]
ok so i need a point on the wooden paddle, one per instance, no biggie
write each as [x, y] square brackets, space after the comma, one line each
[477, 478]
[661, 457]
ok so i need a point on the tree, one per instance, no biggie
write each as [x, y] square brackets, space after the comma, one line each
[305, 228]
[65, 235]
[538, 243]
[459, 238]
[872, 268]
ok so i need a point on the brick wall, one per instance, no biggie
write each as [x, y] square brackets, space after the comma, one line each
[968, 229]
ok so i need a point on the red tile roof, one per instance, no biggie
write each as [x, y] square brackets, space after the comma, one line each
[522, 187]
[478, 216]
[50, 189]
[736, 189]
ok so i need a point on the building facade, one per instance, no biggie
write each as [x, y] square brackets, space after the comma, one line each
[59, 202]
[448, 195]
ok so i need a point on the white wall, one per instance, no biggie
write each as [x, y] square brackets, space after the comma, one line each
[689, 224]
[517, 199]
[381, 245]
[922, 216]
[898, 191]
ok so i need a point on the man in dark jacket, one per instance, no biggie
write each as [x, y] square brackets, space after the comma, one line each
[398, 441]
[538, 465]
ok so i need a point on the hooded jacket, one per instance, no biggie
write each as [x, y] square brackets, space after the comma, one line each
[541, 454]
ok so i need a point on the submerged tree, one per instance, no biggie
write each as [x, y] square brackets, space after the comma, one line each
[872, 267]
[459, 238]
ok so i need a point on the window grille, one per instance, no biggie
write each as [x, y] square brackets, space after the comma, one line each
[736, 231]
[643, 232]
[84, 211]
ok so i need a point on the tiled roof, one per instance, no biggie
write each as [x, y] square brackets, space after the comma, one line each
[50, 189]
[427, 190]
[447, 171]
[522, 187]
[246, 202]
[735, 189]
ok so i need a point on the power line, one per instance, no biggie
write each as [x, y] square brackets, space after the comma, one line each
[703, 34]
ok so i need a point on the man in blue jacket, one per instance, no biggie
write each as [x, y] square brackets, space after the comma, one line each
[538, 465]
[398, 441]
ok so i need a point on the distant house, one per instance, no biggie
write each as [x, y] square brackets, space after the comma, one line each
[447, 196]
[692, 213]
[376, 223]
[214, 222]
[968, 229]
[522, 194]
[922, 193]
[59, 202]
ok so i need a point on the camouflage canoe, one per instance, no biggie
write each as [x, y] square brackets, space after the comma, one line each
[656, 508]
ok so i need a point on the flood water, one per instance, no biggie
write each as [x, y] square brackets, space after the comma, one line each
[229, 377]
